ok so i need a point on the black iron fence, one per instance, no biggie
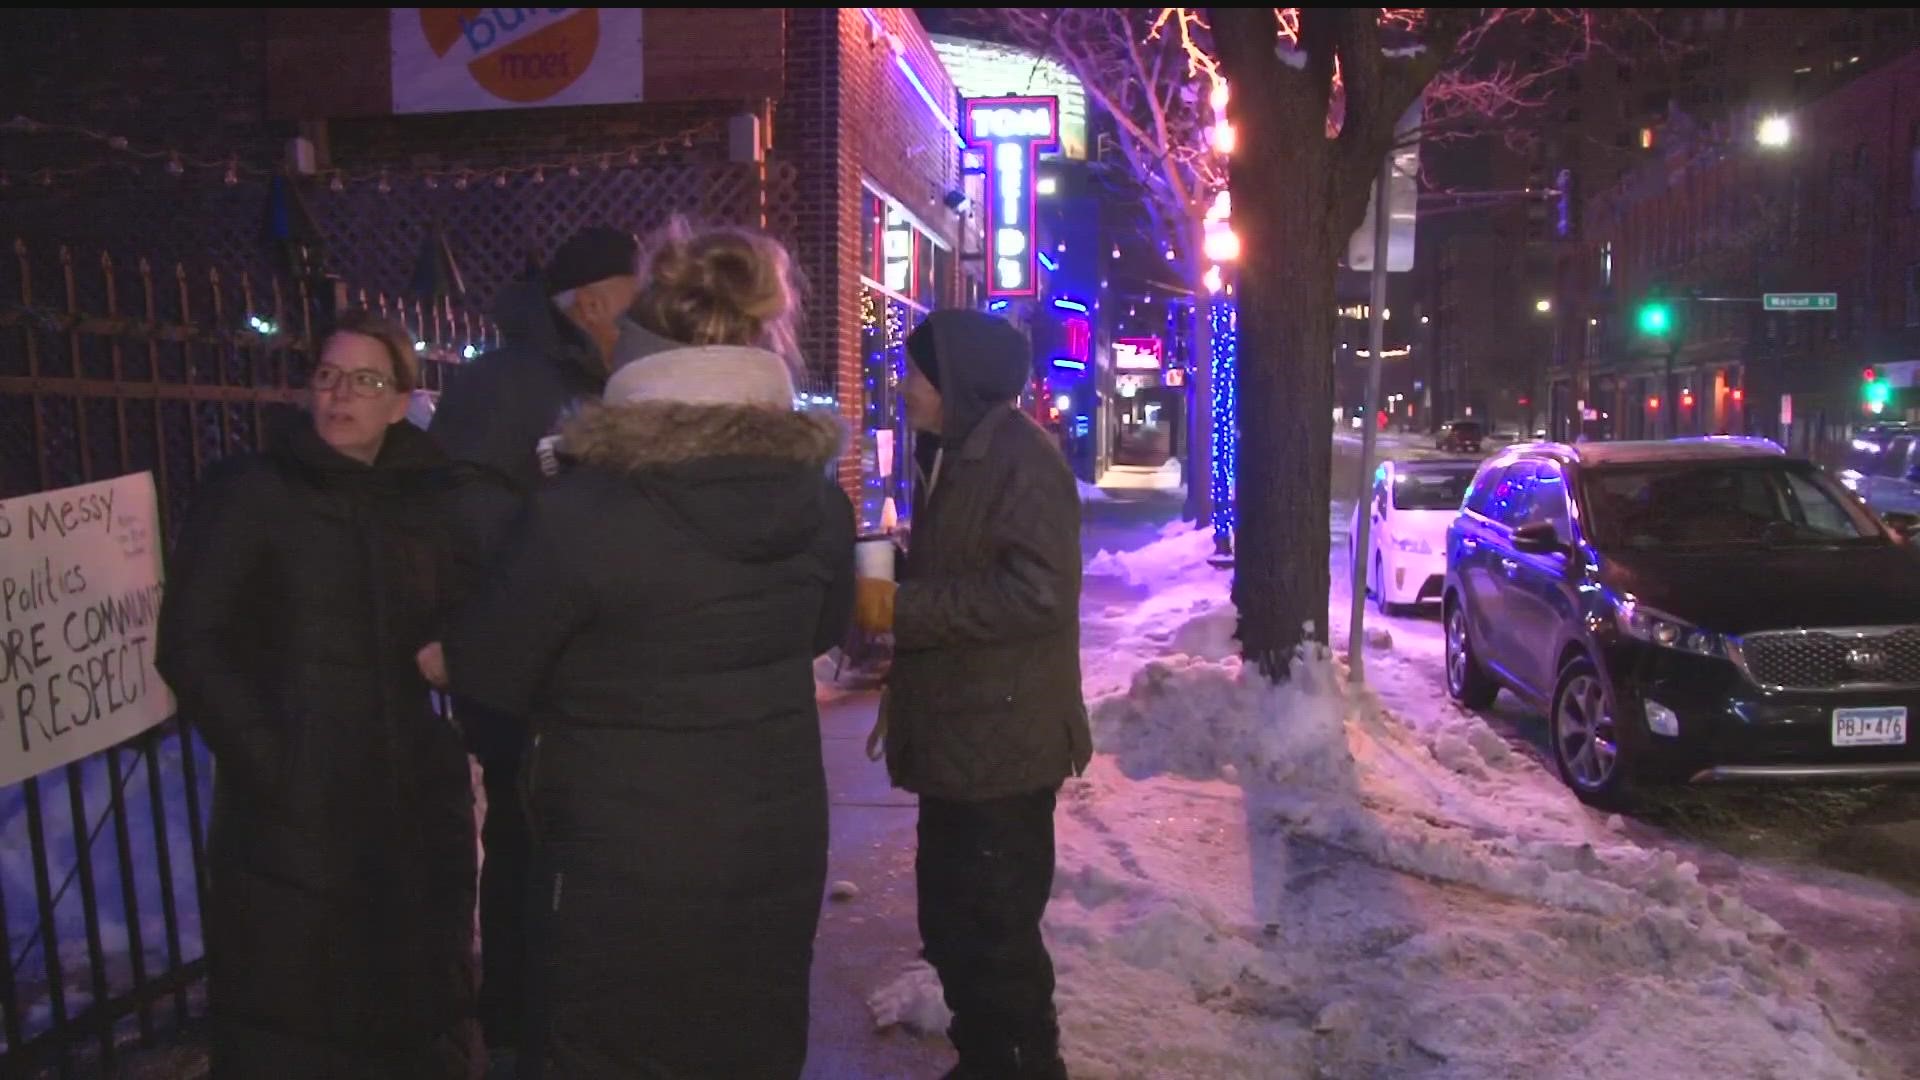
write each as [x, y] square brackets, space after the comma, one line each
[110, 368]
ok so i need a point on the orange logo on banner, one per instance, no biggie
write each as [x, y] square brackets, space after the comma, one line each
[525, 69]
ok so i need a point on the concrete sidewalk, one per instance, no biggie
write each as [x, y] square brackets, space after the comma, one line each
[865, 942]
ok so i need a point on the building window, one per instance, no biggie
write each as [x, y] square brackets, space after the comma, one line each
[908, 269]
[1913, 167]
[886, 445]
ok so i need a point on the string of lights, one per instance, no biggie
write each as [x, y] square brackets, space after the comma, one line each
[232, 168]
[1223, 320]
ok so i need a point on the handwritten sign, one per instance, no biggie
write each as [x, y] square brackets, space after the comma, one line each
[80, 592]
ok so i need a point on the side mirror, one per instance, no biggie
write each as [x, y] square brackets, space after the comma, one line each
[1906, 525]
[1538, 538]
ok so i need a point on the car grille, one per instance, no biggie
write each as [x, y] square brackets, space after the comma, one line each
[1829, 659]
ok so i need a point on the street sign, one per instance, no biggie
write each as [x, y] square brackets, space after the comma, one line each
[1403, 199]
[1800, 301]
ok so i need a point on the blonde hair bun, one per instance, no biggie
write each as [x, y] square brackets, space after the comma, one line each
[721, 286]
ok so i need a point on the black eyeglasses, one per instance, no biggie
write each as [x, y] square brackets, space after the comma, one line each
[360, 382]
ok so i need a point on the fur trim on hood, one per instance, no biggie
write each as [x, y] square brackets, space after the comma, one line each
[662, 434]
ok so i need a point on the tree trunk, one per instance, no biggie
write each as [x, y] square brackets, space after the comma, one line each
[1199, 507]
[1283, 196]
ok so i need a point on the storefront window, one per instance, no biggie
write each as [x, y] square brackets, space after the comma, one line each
[870, 211]
[924, 271]
[886, 461]
[906, 274]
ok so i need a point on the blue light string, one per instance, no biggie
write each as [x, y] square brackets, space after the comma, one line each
[1223, 318]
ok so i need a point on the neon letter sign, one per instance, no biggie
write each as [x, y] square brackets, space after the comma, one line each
[1012, 131]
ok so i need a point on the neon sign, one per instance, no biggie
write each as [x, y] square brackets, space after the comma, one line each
[1137, 354]
[1011, 132]
[1077, 337]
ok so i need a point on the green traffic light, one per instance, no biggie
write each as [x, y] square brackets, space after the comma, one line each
[1656, 320]
[1878, 393]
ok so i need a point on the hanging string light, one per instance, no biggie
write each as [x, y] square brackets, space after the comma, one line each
[1223, 319]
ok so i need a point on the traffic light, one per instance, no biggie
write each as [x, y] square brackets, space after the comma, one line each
[1874, 392]
[1656, 318]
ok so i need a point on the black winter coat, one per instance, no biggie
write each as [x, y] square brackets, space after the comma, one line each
[657, 617]
[499, 407]
[340, 926]
[984, 699]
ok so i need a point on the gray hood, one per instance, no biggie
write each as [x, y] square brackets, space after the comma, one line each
[979, 362]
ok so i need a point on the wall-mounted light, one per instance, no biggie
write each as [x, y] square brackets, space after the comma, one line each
[1046, 185]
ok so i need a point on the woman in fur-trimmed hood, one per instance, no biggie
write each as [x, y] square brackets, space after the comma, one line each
[657, 617]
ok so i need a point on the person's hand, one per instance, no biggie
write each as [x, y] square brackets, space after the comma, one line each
[432, 661]
[873, 604]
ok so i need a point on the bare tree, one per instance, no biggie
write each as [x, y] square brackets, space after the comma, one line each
[1316, 97]
[1163, 118]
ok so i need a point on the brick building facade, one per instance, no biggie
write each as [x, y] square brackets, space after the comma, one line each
[851, 105]
[1716, 221]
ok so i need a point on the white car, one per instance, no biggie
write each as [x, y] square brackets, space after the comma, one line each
[1413, 502]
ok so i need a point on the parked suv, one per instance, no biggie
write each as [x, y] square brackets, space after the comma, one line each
[1700, 610]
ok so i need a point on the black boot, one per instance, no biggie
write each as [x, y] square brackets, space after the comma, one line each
[984, 1054]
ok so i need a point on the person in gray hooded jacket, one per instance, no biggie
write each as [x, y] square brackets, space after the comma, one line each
[984, 716]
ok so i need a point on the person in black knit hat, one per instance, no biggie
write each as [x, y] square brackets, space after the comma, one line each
[565, 331]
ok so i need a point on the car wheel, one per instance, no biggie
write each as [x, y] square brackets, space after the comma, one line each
[1467, 682]
[1380, 590]
[1585, 736]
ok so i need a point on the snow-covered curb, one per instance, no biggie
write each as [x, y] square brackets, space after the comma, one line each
[1260, 880]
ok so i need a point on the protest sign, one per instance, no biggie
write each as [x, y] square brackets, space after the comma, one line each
[80, 586]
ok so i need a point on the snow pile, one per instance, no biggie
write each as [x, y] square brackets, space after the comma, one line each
[1090, 493]
[1181, 550]
[1298, 880]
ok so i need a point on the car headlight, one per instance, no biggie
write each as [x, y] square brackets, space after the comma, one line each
[1412, 545]
[1656, 627]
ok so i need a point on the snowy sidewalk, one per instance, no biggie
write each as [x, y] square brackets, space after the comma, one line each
[1295, 881]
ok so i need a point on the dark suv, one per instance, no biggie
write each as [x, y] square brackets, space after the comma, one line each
[1460, 437]
[1703, 610]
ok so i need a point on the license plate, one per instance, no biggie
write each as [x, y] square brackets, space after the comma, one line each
[1870, 727]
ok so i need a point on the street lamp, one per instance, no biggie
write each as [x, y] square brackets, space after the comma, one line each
[1775, 131]
[1543, 305]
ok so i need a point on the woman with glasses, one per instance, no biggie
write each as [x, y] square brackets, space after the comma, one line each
[304, 582]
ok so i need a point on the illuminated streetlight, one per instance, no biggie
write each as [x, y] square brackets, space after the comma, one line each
[1543, 305]
[1775, 131]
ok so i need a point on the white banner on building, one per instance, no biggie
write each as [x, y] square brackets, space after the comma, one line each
[470, 59]
[80, 592]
